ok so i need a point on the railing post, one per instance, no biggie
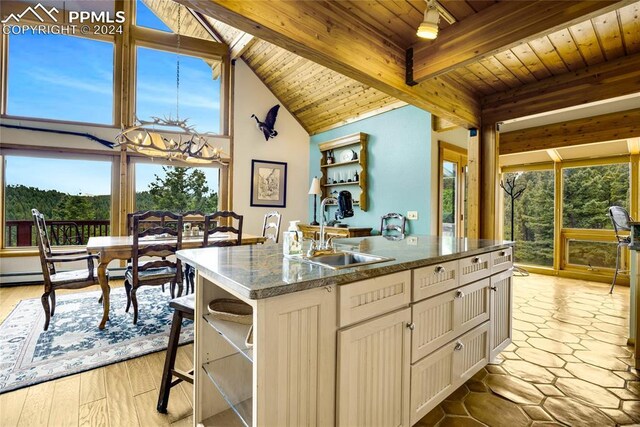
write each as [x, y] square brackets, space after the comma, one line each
[24, 233]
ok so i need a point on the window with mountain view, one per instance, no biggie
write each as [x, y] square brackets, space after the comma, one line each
[74, 196]
[177, 189]
[533, 217]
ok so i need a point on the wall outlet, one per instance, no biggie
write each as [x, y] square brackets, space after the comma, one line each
[412, 215]
[412, 240]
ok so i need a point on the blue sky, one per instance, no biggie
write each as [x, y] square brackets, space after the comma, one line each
[71, 78]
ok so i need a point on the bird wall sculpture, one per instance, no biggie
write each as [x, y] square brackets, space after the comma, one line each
[267, 127]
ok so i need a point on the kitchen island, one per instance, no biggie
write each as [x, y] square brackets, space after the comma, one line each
[380, 344]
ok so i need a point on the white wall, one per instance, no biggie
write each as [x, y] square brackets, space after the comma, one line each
[290, 146]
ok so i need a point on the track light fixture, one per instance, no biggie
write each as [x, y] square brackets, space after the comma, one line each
[428, 29]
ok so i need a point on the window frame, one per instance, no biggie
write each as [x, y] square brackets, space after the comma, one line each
[67, 154]
[561, 266]
[135, 160]
[4, 80]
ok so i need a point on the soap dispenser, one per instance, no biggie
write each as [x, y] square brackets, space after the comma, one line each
[292, 245]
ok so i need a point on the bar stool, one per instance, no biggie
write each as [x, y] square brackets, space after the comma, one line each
[183, 309]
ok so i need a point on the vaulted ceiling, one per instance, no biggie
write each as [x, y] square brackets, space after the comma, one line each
[331, 62]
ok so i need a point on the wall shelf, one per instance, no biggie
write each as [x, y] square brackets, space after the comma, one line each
[358, 143]
[342, 183]
[332, 165]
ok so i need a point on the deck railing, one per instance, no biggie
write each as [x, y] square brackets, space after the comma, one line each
[23, 232]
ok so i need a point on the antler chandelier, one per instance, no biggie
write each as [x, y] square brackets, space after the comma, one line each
[188, 146]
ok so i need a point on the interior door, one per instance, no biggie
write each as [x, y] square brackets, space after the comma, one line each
[452, 189]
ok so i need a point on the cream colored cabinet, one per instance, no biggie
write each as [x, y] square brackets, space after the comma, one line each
[434, 279]
[501, 260]
[440, 319]
[373, 372]
[436, 376]
[475, 268]
[372, 297]
[501, 311]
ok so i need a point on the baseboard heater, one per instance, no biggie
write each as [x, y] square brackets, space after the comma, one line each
[35, 277]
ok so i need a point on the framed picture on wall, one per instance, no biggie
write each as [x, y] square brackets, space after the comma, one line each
[268, 183]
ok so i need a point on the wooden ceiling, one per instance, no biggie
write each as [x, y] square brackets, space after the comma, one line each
[332, 62]
[604, 38]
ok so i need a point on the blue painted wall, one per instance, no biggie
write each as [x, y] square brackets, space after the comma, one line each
[399, 170]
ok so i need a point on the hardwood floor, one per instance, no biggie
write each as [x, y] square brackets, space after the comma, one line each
[566, 366]
[122, 394]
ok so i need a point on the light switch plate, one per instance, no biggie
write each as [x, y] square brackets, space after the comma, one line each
[412, 215]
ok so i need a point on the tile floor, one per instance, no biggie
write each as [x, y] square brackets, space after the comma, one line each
[568, 363]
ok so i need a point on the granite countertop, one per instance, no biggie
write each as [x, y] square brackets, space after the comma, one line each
[261, 271]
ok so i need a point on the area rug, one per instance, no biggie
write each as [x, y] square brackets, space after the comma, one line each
[73, 343]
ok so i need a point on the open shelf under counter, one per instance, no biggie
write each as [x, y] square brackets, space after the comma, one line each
[234, 333]
[234, 385]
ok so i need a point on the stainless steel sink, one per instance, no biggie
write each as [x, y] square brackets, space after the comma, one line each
[339, 260]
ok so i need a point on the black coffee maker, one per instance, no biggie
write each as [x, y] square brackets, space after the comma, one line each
[345, 205]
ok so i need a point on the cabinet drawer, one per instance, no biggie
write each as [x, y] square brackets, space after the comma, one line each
[475, 268]
[434, 279]
[439, 374]
[373, 297]
[501, 260]
[440, 319]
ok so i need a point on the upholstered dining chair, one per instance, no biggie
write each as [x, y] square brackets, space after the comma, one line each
[388, 224]
[222, 222]
[620, 219]
[160, 241]
[54, 279]
[271, 226]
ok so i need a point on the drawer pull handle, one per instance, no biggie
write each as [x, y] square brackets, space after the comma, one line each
[494, 288]
[459, 294]
[459, 346]
[440, 269]
[502, 253]
[475, 260]
[411, 326]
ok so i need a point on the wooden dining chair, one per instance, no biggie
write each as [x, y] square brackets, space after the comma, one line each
[222, 222]
[160, 270]
[53, 279]
[271, 226]
[195, 218]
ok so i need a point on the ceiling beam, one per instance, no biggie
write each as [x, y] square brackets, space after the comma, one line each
[607, 127]
[599, 82]
[324, 32]
[498, 28]
[240, 44]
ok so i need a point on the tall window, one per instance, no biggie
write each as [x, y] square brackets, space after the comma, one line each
[174, 188]
[74, 196]
[587, 193]
[533, 217]
[60, 77]
[199, 99]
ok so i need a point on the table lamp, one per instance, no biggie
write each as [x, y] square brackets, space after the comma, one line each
[316, 191]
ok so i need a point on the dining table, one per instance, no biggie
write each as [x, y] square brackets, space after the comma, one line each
[110, 248]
